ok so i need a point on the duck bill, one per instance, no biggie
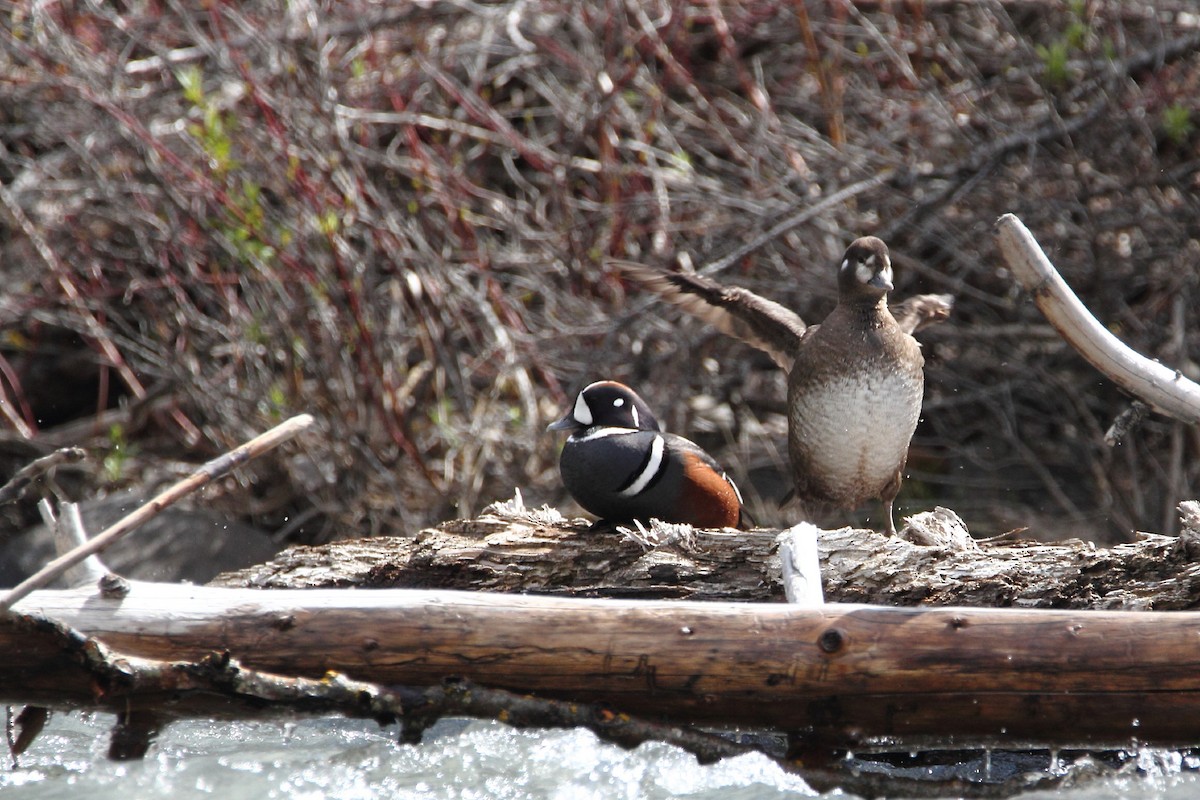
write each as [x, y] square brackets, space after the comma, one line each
[565, 424]
[880, 282]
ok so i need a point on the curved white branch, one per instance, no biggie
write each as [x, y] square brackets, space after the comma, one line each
[1162, 388]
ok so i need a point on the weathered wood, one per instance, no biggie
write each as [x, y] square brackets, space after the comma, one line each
[933, 562]
[1163, 388]
[839, 672]
[199, 477]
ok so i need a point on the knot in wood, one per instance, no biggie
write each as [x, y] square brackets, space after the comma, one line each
[831, 640]
[113, 586]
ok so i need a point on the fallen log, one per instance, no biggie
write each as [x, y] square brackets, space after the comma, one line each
[843, 674]
[933, 562]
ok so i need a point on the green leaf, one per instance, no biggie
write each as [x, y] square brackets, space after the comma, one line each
[1177, 123]
[192, 82]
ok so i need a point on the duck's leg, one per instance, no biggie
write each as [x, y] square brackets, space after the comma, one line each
[888, 496]
[889, 518]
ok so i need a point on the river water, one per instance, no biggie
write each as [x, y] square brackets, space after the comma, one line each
[459, 760]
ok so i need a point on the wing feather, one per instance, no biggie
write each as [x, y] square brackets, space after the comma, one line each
[732, 310]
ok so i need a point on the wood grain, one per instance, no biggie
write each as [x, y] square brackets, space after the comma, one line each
[842, 673]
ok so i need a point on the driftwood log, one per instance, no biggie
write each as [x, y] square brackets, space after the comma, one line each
[933, 562]
[832, 677]
[840, 672]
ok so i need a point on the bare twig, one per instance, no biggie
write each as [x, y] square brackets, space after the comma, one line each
[204, 474]
[96, 330]
[800, 217]
[1125, 423]
[19, 484]
[1164, 389]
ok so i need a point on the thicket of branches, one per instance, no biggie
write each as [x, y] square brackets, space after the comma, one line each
[395, 217]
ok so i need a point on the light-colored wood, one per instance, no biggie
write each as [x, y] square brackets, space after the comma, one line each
[800, 566]
[1164, 389]
[69, 533]
[841, 672]
[202, 475]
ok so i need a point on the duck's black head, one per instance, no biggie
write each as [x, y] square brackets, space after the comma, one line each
[607, 404]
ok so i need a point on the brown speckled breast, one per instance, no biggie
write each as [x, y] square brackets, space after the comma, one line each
[852, 410]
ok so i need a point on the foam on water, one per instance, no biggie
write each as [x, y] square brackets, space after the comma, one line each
[459, 760]
[353, 759]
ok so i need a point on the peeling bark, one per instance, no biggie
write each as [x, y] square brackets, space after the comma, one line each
[934, 561]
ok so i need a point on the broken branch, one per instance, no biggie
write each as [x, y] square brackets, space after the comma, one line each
[1164, 389]
[206, 473]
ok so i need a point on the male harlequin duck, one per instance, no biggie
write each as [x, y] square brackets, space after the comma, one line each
[619, 465]
[855, 381]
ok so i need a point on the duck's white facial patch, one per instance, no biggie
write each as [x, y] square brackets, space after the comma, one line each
[582, 412]
[886, 272]
[633, 410]
[865, 270]
[653, 464]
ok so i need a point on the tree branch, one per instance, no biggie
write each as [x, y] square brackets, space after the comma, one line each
[204, 474]
[1165, 390]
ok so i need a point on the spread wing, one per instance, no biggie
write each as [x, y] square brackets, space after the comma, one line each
[922, 310]
[732, 310]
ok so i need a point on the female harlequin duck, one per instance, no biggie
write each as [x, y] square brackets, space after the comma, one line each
[855, 381]
[619, 465]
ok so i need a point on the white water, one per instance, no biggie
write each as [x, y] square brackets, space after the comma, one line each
[353, 759]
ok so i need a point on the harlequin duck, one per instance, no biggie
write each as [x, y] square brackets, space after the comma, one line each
[855, 382]
[619, 464]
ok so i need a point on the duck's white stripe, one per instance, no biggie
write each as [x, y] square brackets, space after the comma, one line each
[653, 464]
[737, 492]
[600, 433]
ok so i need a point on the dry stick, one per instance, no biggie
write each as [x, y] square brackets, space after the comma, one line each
[94, 329]
[35, 470]
[801, 566]
[207, 472]
[805, 214]
[1162, 388]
